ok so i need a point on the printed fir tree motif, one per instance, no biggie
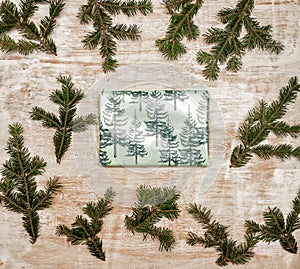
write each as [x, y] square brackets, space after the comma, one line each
[175, 96]
[135, 148]
[156, 114]
[191, 138]
[105, 141]
[202, 117]
[170, 153]
[139, 97]
[113, 116]
[123, 94]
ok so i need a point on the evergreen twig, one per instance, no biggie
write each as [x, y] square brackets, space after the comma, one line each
[18, 186]
[229, 46]
[260, 122]
[154, 204]
[67, 98]
[99, 13]
[34, 38]
[181, 26]
[85, 231]
[216, 235]
[276, 228]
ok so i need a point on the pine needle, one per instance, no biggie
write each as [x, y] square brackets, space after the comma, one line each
[85, 231]
[216, 235]
[229, 46]
[181, 26]
[277, 228]
[34, 37]
[18, 186]
[153, 205]
[260, 122]
[66, 122]
[100, 15]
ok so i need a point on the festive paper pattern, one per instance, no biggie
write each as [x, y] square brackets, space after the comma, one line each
[154, 127]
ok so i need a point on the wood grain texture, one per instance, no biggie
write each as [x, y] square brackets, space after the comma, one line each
[233, 194]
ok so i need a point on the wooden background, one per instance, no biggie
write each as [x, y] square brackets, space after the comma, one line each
[234, 195]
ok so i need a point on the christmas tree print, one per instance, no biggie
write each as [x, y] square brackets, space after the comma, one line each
[114, 118]
[139, 97]
[106, 141]
[202, 114]
[170, 153]
[123, 94]
[135, 147]
[142, 128]
[175, 96]
[156, 115]
[191, 137]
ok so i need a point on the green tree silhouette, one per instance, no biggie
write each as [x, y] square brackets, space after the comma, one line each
[156, 114]
[114, 118]
[191, 137]
[135, 147]
[170, 153]
[139, 97]
[174, 96]
[202, 114]
[105, 141]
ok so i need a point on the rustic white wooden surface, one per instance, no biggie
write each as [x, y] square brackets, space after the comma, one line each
[233, 194]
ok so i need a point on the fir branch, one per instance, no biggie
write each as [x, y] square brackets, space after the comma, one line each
[276, 228]
[174, 5]
[18, 186]
[47, 24]
[34, 38]
[228, 44]
[181, 26]
[260, 122]
[105, 34]
[217, 236]
[129, 8]
[154, 204]
[85, 231]
[67, 98]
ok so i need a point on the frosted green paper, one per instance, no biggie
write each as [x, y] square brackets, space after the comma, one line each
[154, 128]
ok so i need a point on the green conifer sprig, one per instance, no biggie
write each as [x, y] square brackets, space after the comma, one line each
[105, 34]
[181, 26]
[216, 235]
[228, 45]
[84, 231]
[18, 186]
[153, 204]
[277, 228]
[33, 37]
[260, 122]
[67, 98]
